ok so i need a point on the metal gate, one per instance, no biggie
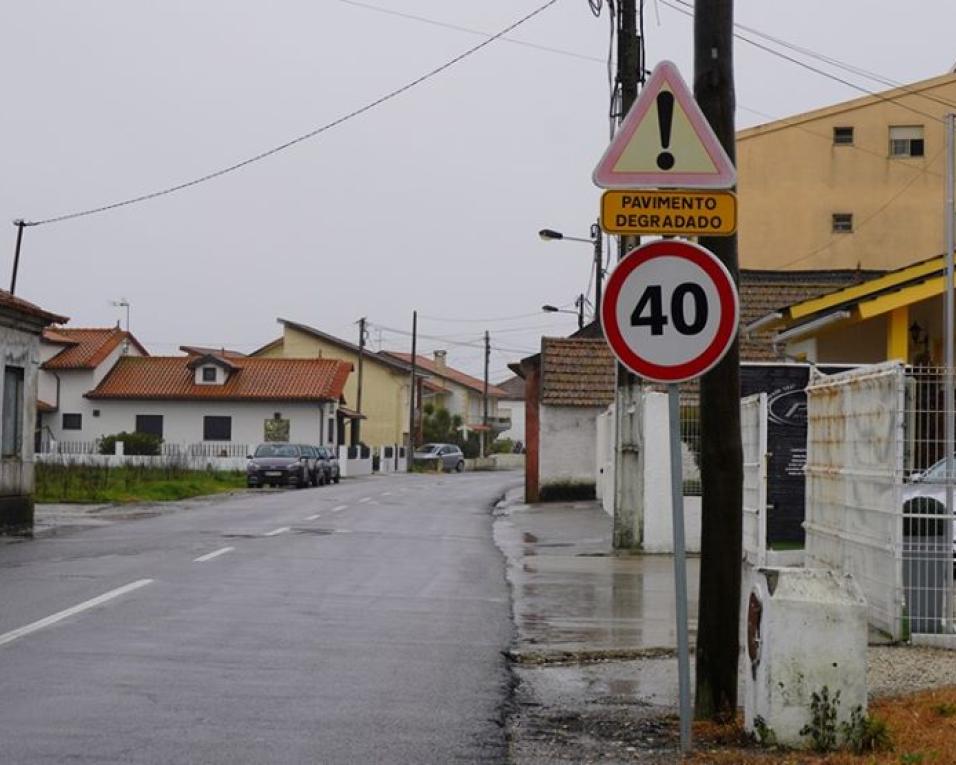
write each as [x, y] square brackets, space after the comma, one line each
[753, 432]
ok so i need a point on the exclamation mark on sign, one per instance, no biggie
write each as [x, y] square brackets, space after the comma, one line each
[665, 116]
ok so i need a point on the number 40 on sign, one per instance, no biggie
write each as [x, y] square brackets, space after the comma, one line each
[670, 311]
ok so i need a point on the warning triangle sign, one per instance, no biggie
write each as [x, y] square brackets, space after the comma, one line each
[665, 142]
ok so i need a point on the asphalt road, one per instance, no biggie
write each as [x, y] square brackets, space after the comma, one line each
[358, 623]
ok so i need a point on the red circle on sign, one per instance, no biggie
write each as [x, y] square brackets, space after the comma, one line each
[726, 326]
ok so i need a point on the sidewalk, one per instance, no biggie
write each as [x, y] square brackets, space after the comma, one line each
[595, 638]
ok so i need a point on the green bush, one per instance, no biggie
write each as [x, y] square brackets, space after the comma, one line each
[502, 446]
[133, 443]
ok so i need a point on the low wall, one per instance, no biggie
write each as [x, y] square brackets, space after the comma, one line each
[508, 461]
[188, 462]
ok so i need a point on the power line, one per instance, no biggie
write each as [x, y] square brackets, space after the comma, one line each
[811, 68]
[469, 30]
[865, 220]
[311, 134]
[487, 320]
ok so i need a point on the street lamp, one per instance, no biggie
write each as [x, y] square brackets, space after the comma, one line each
[595, 241]
[579, 301]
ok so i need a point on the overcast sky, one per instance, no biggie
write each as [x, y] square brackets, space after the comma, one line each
[431, 201]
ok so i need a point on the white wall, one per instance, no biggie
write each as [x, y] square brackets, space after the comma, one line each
[20, 349]
[513, 408]
[658, 514]
[183, 420]
[567, 448]
[74, 384]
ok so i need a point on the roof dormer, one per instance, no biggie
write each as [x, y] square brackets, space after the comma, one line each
[211, 369]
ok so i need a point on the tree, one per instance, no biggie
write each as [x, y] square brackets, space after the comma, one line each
[721, 452]
[439, 425]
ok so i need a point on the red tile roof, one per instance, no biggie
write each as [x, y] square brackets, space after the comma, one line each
[446, 372]
[89, 347]
[169, 378]
[23, 306]
[576, 372]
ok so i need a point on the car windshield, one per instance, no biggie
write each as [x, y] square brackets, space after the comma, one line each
[430, 448]
[276, 450]
[937, 473]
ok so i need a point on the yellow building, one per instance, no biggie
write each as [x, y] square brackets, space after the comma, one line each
[897, 315]
[385, 381]
[855, 185]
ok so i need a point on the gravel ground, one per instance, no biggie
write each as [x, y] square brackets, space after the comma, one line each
[619, 711]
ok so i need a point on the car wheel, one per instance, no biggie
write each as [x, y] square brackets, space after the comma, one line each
[460, 466]
[336, 479]
[316, 479]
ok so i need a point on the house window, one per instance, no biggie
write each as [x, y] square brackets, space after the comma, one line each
[209, 374]
[842, 223]
[906, 141]
[12, 411]
[150, 423]
[216, 428]
[331, 438]
[842, 136]
[72, 421]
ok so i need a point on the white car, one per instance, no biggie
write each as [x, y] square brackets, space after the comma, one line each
[924, 503]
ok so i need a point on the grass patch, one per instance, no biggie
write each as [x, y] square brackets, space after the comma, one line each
[915, 728]
[130, 483]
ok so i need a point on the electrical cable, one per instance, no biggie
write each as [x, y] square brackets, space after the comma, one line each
[469, 30]
[853, 69]
[811, 68]
[487, 320]
[857, 226]
[306, 136]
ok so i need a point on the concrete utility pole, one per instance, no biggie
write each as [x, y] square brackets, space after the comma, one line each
[484, 415]
[629, 455]
[410, 449]
[721, 466]
[20, 224]
[356, 428]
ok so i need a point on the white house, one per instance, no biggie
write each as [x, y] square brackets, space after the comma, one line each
[21, 324]
[72, 363]
[512, 408]
[457, 392]
[227, 403]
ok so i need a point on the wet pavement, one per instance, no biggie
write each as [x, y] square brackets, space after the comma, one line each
[573, 594]
[595, 638]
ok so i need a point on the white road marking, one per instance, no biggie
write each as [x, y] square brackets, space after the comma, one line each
[313, 517]
[363, 500]
[280, 530]
[9, 637]
[339, 508]
[210, 556]
[386, 494]
[342, 531]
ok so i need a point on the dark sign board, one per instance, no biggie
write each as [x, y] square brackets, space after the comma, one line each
[785, 386]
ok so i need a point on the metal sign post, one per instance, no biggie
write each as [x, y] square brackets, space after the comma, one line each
[680, 565]
[949, 427]
[670, 313]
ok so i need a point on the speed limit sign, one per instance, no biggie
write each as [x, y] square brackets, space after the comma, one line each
[670, 311]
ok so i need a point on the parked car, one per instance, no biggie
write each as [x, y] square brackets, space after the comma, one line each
[924, 503]
[445, 456]
[332, 463]
[281, 464]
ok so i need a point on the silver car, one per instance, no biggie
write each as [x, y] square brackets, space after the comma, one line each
[924, 502]
[445, 456]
